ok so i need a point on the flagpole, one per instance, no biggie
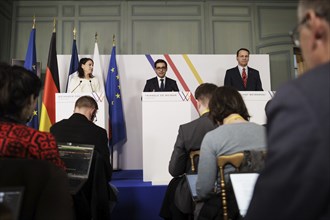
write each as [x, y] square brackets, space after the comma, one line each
[34, 22]
[74, 33]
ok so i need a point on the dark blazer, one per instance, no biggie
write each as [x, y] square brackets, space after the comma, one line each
[295, 181]
[153, 86]
[78, 129]
[178, 197]
[234, 79]
[189, 138]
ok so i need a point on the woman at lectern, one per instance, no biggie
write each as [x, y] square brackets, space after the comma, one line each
[84, 81]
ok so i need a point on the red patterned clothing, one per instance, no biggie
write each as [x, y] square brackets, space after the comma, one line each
[21, 141]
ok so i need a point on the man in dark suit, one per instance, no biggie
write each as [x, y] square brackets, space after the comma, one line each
[295, 183]
[242, 77]
[176, 204]
[161, 83]
[92, 201]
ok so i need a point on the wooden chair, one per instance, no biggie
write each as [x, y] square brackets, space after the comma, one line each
[192, 155]
[247, 161]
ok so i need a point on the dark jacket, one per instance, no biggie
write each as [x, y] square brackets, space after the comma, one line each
[153, 86]
[93, 199]
[234, 79]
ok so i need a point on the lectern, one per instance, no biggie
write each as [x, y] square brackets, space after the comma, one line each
[162, 113]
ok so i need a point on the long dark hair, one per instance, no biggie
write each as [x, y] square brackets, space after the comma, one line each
[81, 73]
[17, 86]
[226, 101]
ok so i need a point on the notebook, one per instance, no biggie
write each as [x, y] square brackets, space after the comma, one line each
[78, 160]
[192, 179]
[243, 185]
[12, 198]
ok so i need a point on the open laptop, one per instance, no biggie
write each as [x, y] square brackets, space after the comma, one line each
[243, 185]
[78, 160]
[12, 198]
[192, 179]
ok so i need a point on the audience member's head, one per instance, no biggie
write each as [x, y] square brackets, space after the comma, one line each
[19, 91]
[87, 106]
[226, 101]
[203, 95]
[312, 33]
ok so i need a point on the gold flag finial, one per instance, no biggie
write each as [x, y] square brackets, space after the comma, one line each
[95, 37]
[74, 33]
[54, 25]
[34, 22]
[113, 41]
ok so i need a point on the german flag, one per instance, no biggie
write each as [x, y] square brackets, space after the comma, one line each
[52, 86]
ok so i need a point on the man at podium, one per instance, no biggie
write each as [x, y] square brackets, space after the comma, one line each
[242, 77]
[161, 83]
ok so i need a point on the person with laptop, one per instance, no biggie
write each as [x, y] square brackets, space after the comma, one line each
[235, 134]
[178, 203]
[92, 201]
[30, 158]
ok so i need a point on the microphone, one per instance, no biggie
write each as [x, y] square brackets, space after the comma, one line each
[98, 97]
[76, 86]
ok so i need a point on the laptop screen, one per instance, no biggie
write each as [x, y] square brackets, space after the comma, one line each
[77, 158]
[12, 198]
[192, 179]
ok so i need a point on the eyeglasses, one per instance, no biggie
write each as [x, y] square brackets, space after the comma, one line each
[295, 33]
[161, 68]
[93, 117]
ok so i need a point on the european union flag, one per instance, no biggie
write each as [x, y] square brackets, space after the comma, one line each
[30, 63]
[74, 62]
[116, 115]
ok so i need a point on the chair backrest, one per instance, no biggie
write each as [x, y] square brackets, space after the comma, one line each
[193, 154]
[246, 161]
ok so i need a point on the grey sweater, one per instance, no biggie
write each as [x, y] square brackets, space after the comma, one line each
[224, 140]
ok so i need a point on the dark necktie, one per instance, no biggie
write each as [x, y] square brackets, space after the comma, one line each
[162, 87]
[244, 77]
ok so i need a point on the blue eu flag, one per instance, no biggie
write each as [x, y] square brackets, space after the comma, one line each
[113, 92]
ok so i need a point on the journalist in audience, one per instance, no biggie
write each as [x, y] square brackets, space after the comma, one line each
[30, 158]
[178, 203]
[19, 91]
[84, 81]
[93, 200]
[235, 134]
[295, 183]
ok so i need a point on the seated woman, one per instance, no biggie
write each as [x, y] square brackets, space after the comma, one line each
[235, 134]
[19, 91]
[84, 81]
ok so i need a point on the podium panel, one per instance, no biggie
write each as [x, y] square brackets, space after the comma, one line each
[162, 113]
[255, 103]
[65, 105]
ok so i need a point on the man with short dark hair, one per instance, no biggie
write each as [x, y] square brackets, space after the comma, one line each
[177, 205]
[242, 77]
[92, 201]
[161, 83]
[295, 183]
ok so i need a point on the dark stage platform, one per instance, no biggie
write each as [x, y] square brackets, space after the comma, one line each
[137, 200]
